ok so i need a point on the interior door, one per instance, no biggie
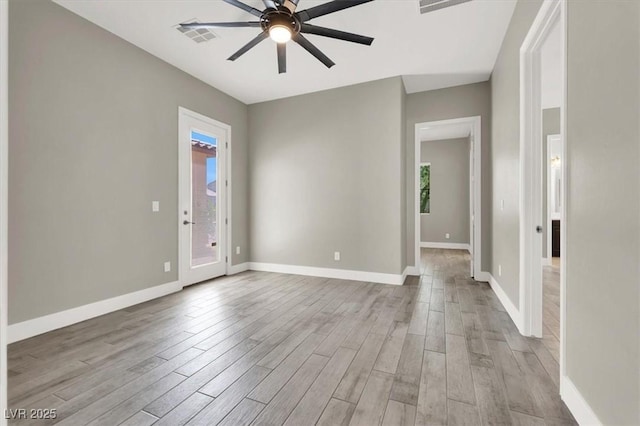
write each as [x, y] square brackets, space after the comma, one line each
[203, 197]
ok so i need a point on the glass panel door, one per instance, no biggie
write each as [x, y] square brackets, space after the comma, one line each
[202, 172]
[204, 179]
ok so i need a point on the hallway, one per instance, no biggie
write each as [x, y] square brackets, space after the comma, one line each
[522, 373]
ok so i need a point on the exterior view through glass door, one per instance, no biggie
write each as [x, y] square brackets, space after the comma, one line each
[203, 184]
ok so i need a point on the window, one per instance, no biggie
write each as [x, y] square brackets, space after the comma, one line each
[425, 188]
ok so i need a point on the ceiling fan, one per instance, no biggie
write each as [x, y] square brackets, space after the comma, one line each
[282, 23]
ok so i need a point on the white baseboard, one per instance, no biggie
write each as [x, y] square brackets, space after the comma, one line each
[413, 271]
[484, 277]
[513, 312]
[236, 269]
[343, 274]
[449, 246]
[24, 330]
[576, 403]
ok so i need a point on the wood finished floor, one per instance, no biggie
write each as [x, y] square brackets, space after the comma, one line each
[272, 349]
[551, 308]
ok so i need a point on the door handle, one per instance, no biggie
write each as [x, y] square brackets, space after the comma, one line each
[186, 222]
[539, 229]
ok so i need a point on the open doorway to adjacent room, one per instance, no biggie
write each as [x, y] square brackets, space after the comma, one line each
[543, 179]
[447, 195]
[552, 193]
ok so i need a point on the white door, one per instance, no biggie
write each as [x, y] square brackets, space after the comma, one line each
[203, 196]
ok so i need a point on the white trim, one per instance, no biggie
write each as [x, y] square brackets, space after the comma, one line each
[413, 271]
[475, 178]
[576, 403]
[483, 276]
[509, 306]
[448, 246]
[4, 177]
[24, 330]
[343, 274]
[512, 310]
[530, 288]
[224, 152]
[236, 269]
[228, 196]
[565, 174]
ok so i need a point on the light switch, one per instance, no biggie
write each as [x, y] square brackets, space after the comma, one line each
[155, 206]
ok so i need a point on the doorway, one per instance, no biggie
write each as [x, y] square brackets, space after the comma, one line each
[467, 127]
[543, 170]
[203, 188]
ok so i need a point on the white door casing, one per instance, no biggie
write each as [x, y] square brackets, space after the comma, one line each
[475, 188]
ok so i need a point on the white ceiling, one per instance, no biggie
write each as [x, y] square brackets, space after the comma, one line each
[443, 132]
[452, 46]
[551, 72]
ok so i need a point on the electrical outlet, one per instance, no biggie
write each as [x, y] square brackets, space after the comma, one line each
[155, 206]
[167, 266]
[447, 236]
[238, 250]
[499, 270]
[336, 255]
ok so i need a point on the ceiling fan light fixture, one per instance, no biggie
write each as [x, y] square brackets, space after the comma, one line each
[281, 22]
[280, 33]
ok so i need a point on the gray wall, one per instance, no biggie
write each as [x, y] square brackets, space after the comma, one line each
[550, 126]
[93, 140]
[327, 176]
[449, 212]
[603, 227]
[505, 150]
[455, 102]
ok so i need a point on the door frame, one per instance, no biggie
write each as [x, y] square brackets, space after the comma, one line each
[4, 199]
[551, 12]
[184, 112]
[475, 188]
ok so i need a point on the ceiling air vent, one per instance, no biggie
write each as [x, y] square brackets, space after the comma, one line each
[427, 6]
[199, 35]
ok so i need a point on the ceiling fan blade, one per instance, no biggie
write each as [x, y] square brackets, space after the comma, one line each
[220, 24]
[282, 57]
[309, 47]
[270, 4]
[326, 8]
[340, 35]
[248, 46]
[245, 7]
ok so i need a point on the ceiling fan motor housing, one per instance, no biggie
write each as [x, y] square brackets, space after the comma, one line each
[281, 17]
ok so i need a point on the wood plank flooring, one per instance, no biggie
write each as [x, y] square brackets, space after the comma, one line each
[551, 308]
[272, 349]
